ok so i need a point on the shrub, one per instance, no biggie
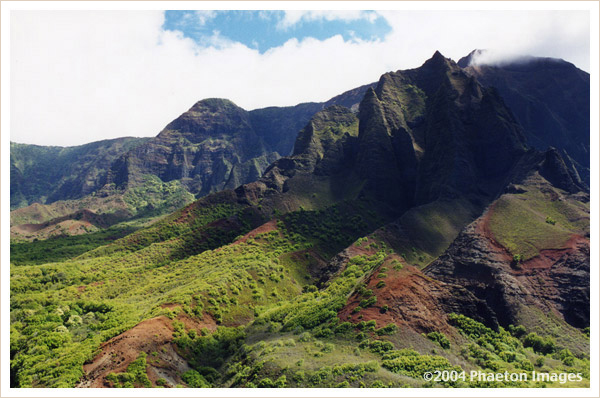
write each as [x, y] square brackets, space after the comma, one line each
[380, 347]
[416, 365]
[161, 382]
[539, 344]
[390, 328]
[440, 339]
[343, 327]
[516, 261]
[517, 331]
[567, 357]
[265, 383]
[194, 379]
[135, 375]
[368, 302]
[280, 382]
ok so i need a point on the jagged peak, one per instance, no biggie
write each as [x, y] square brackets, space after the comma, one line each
[437, 59]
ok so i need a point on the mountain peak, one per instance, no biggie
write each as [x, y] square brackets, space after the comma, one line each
[214, 104]
[466, 61]
[436, 61]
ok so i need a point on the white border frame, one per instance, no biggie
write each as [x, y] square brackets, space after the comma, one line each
[7, 6]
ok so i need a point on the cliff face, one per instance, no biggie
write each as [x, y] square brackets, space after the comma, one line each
[520, 255]
[199, 148]
[47, 174]
[434, 132]
[549, 98]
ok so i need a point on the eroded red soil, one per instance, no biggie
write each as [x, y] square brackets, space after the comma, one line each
[155, 338]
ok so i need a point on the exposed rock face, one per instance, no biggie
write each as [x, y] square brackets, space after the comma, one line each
[217, 145]
[434, 132]
[557, 281]
[47, 174]
[325, 148]
[214, 145]
[199, 148]
[549, 98]
[418, 302]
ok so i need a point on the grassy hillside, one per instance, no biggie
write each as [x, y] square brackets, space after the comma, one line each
[61, 312]
[63, 308]
[535, 220]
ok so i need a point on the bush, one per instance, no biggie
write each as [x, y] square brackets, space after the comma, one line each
[440, 339]
[516, 261]
[161, 382]
[416, 365]
[368, 302]
[135, 375]
[194, 379]
[380, 347]
[539, 344]
[517, 331]
[265, 383]
[387, 330]
[567, 357]
[343, 327]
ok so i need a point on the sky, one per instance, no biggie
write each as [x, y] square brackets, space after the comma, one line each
[83, 76]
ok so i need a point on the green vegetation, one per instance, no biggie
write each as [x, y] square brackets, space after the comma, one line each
[439, 338]
[539, 344]
[134, 377]
[531, 221]
[503, 350]
[290, 335]
[61, 312]
[63, 248]
[153, 197]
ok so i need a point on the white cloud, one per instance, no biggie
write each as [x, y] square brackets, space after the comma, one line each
[294, 17]
[203, 16]
[82, 76]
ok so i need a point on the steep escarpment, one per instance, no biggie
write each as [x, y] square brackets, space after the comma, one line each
[47, 174]
[549, 98]
[215, 145]
[199, 149]
[528, 250]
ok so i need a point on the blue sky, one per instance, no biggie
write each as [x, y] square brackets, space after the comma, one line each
[263, 30]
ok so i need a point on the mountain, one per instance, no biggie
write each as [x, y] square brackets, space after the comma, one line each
[217, 144]
[46, 174]
[549, 97]
[214, 145]
[421, 233]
